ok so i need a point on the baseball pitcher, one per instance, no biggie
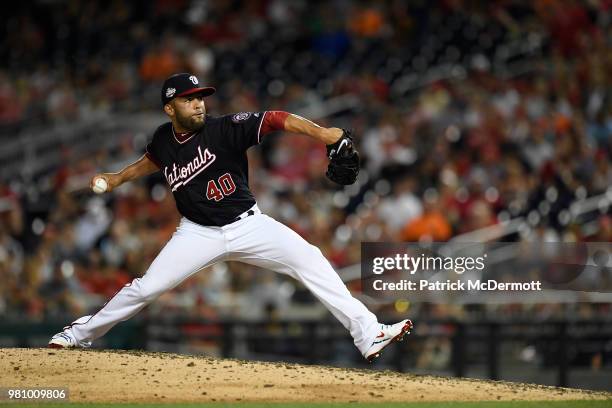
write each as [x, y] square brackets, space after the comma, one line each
[204, 161]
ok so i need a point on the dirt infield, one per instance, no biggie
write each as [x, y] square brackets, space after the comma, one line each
[111, 376]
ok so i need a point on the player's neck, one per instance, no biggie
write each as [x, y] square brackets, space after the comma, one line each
[182, 132]
[183, 135]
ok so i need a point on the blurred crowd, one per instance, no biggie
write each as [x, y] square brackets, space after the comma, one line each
[447, 156]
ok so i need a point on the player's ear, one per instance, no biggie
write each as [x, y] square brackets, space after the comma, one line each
[169, 109]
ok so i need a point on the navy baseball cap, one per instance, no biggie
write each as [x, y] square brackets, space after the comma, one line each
[182, 85]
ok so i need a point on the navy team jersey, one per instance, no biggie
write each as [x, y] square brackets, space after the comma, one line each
[208, 171]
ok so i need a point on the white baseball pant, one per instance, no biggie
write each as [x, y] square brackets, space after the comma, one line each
[258, 240]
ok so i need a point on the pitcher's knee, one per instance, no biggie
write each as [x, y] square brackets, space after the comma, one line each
[310, 257]
[317, 252]
[146, 290]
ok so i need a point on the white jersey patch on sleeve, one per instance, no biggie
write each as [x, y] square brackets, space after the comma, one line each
[241, 117]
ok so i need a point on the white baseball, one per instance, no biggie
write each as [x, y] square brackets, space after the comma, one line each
[100, 185]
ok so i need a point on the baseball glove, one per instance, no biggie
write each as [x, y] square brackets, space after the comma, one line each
[343, 165]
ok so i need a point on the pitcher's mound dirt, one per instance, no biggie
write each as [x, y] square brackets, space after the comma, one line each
[122, 376]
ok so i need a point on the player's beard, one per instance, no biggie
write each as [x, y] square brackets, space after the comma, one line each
[192, 123]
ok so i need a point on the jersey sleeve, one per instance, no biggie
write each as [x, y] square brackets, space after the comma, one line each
[243, 129]
[152, 149]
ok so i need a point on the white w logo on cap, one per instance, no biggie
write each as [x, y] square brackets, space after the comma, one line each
[193, 79]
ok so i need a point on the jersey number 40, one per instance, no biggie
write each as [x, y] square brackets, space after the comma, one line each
[220, 189]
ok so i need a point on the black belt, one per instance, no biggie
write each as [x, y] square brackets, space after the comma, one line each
[244, 215]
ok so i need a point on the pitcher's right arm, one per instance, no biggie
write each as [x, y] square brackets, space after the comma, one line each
[142, 167]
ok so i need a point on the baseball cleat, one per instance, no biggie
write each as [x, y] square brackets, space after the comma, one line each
[63, 339]
[389, 333]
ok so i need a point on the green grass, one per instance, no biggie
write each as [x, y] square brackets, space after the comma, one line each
[483, 404]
